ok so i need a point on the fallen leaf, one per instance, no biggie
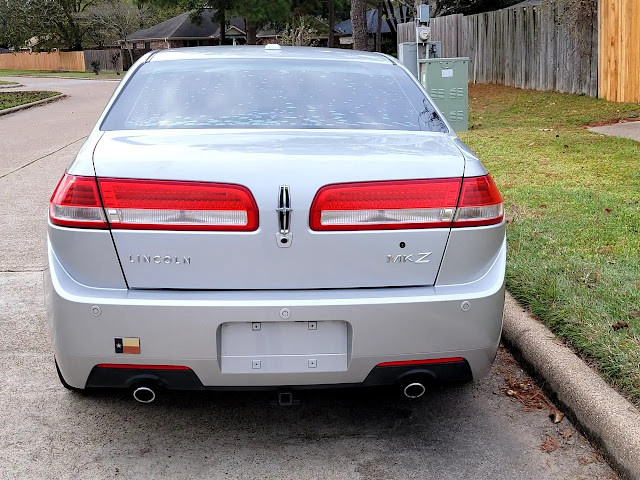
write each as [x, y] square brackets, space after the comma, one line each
[607, 210]
[527, 393]
[605, 250]
[566, 433]
[595, 457]
[634, 313]
[549, 445]
[620, 324]
[509, 220]
[555, 415]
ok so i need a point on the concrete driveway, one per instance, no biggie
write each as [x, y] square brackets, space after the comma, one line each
[622, 129]
[470, 431]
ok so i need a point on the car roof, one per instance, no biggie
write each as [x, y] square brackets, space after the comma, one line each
[268, 51]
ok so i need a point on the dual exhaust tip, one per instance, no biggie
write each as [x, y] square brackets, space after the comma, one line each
[144, 394]
[414, 390]
[148, 395]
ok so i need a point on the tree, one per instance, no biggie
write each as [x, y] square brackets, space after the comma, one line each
[300, 33]
[332, 22]
[116, 19]
[15, 17]
[66, 22]
[359, 24]
[53, 23]
[466, 7]
[379, 26]
[259, 13]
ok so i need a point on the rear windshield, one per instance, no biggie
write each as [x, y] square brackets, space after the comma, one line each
[274, 93]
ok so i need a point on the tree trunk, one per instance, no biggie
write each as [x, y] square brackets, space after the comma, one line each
[128, 46]
[252, 34]
[379, 28]
[332, 20]
[359, 25]
[392, 21]
[222, 20]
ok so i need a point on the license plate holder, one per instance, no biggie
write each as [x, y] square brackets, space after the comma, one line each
[283, 347]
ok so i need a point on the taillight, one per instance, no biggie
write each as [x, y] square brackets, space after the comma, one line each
[177, 205]
[480, 203]
[76, 203]
[407, 204]
[386, 205]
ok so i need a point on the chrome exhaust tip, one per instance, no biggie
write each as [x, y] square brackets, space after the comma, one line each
[414, 390]
[144, 394]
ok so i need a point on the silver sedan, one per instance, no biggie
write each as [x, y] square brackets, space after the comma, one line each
[273, 217]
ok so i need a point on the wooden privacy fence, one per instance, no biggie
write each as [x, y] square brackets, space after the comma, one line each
[67, 61]
[106, 58]
[537, 47]
[619, 51]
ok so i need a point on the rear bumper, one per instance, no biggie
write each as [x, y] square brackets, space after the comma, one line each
[183, 328]
[106, 376]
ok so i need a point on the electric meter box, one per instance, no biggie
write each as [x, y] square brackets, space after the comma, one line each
[447, 81]
[408, 56]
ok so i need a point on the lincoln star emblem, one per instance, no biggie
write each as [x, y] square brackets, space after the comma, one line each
[284, 236]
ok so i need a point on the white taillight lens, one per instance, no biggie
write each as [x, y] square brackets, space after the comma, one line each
[480, 203]
[386, 216]
[177, 205]
[76, 203]
[386, 205]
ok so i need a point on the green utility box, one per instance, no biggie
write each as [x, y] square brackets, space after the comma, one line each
[447, 81]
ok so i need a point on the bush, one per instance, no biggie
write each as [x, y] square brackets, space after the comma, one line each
[95, 66]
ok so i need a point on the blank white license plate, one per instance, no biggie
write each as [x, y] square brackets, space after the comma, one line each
[284, 347]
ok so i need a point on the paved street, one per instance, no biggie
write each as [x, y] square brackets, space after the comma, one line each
[464, 432]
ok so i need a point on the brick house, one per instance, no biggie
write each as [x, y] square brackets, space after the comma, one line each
[180, 31]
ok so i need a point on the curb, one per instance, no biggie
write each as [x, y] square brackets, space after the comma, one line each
[11, 85]
[68, 78]
[37, 103]
[610, 421]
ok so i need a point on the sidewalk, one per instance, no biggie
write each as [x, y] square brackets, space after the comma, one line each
[623, 129]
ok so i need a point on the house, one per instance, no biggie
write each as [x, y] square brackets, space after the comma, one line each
[181, 31]
[344, 30]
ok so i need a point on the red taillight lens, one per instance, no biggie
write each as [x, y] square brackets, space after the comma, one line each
[480, 203]
[407, 204]
[76, 203]
[385, 205]
[429, 361]
[175, 205]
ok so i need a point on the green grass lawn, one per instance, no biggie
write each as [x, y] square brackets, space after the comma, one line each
[104, 74]
[13, 99]
[572, 200]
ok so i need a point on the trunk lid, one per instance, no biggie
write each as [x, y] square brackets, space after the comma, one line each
[263, 161]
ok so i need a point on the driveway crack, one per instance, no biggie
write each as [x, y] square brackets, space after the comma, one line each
[42, 157]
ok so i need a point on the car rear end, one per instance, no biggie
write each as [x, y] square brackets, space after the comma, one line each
[322, 228]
